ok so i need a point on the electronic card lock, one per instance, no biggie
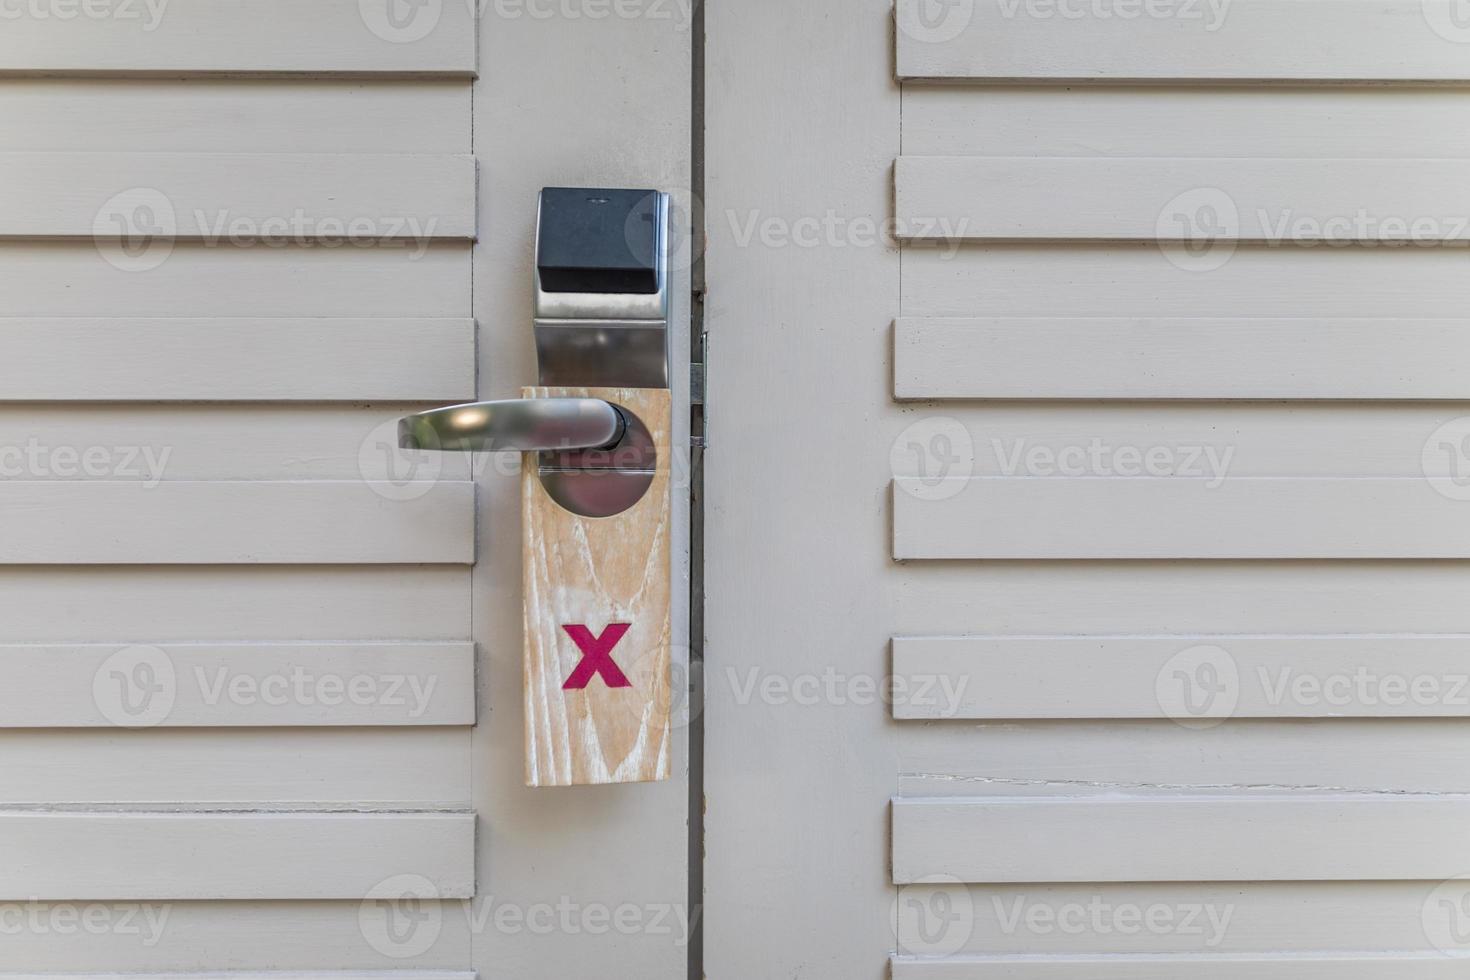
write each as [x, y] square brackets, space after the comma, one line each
[595, 488]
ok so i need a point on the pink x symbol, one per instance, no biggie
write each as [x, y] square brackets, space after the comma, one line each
[597, 656]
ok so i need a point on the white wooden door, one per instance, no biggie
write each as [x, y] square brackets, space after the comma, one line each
[261, 692]
[1086, 590]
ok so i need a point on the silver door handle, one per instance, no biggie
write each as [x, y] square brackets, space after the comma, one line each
[519, 425]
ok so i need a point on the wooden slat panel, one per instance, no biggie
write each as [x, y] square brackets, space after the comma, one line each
[1139, 279]
[1144, 199]
[237, 359]
[1137, 676]
[68, 523]
[1338, 838]
[71, 278]
[77, 856]
[1261, 966]
[1214, 358]
[238, 685]
[244, 36]
[275, 197]
[1393, 40]
[1116, 517]
[1162, 121]
[236, 115]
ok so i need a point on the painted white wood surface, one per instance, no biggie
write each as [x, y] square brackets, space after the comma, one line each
[258, 685]
[174, 604]
[79, 855]
[1230, 920]
[595, 103]
[1265, 966]
[142, 114]
[258, 522]
[75, 279]
[1139, 279]
[1147, 517]
[230, 767]
[1328, 40]
[1384, 676]
[1202, 358]
[1231, 122]
[1239, 838]
[260, 199]
[795, 492]
[219, 441]
[237, 359]
[268, 975]
[246, 36]
[163, 939]
[1259, 200]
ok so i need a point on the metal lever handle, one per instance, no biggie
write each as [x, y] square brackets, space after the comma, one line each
[519, 425]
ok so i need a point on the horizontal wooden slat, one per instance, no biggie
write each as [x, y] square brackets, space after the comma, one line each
[1117, 517]
[239, 685]
[221, 766]
[1336, 40]
[262, 975]
[1321, 122]
[172, 604]
[1141, 280]
[260, 200]
[1257, 966]
[243, 36]
[162, 941]
[1141, 676]
[346, 522]
[1214, 358]
[237, 115]
[237, 359]
[71, 278]
[76, 856]
[1263, 200]
[1241, 838]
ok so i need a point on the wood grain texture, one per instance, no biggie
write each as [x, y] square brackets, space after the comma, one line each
[1123, 517]
[596, 572]
[210, 523]
[237, 359]
[1316, 40]
[1199, 838]
[1201, 358]
[81, 855]
[1403, 676]
[323, 36]
[261, 199]
[239, 685]
[1258, 966]
[1256, 200]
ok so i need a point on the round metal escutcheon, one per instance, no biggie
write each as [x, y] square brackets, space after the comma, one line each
[603, 482]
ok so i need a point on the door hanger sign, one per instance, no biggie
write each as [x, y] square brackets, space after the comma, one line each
[598, 631]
